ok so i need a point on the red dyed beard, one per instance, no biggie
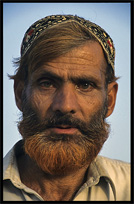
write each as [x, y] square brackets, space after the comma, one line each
[62, 154]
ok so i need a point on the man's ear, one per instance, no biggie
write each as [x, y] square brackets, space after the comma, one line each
[18, 90]
[112, 92]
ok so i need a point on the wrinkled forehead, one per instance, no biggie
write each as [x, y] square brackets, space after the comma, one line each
[87, 59]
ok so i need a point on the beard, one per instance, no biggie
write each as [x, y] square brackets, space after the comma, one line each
[62, 154]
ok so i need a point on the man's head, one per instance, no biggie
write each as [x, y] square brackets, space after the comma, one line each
[65, 87]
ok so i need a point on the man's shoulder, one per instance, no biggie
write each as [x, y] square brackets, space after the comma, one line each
[118, 172]
[113, 167]
[10, 158]
[113, 162]
[114, 175]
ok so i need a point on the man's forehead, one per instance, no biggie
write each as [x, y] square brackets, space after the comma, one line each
[63, 71]
[88, 53]
[67, 72]
[86, 58]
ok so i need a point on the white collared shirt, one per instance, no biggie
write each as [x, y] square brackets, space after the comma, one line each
[108, 180]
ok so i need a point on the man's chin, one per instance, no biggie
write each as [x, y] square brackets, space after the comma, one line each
[63, 137]
[61, 156]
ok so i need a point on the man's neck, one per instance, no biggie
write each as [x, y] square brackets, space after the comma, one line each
[51, 188]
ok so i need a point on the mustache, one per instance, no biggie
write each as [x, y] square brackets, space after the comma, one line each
[65, 120]
[59, 119]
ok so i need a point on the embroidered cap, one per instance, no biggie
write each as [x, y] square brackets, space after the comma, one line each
[41, 25]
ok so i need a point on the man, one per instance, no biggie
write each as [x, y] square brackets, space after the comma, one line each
[65, 87]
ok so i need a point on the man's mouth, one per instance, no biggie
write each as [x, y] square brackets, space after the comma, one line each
[64, 129]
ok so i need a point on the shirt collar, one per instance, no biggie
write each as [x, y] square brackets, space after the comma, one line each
[98, 169]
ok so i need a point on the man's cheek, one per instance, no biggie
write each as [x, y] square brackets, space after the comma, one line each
[40, 104]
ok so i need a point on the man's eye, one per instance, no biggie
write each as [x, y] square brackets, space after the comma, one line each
[85, 86]
[46, 84]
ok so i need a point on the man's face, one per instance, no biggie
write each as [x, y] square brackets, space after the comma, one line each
[64, 106]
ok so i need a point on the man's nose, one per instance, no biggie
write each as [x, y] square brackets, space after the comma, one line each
[65, 100]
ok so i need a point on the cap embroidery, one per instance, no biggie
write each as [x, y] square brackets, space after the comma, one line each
[41, 25]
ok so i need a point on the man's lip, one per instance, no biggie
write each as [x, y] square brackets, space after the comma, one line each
[63, 126]
[64, 129]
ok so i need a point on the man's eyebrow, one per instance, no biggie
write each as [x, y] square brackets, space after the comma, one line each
[84, 78]
[74, 79]
[48, 74]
